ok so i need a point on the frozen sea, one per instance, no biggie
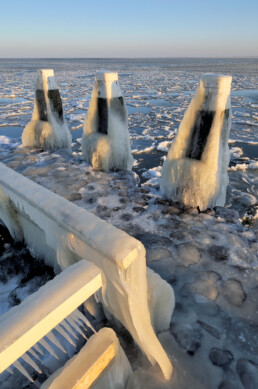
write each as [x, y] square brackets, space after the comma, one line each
[209, 258]
[157, 93]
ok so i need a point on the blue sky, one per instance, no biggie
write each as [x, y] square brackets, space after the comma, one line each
[129, 28]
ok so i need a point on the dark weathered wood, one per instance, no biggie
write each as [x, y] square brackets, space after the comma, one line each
[41, 104]
[102, 115]
[200, 133]
[116, 105]
[56, 102]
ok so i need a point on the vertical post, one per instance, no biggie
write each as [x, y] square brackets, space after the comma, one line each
[105, 142]
[195, 172]
[48, 128]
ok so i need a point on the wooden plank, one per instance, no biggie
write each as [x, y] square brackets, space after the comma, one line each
[96, 369]
[88, 366]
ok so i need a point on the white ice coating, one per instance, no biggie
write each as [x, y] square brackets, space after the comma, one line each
[46, 80]
[108, 85]
[63, 233]
[109, 151]
[201, 182]
[52, 132]
[160, 295]
[115, 375]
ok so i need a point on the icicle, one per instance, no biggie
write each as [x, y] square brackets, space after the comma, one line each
[30, 362]
[34, 354]
[75, 316]
[65, 335]
[96, 296]
[55, 341]
[76, 326]
[38, 349]
[48, 348]
[9, 369]
[69, 329]
[22, 370]
[84, 320]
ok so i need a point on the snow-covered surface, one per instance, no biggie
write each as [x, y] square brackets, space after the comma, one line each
[207, 257]
[109, 150]
[195, 171]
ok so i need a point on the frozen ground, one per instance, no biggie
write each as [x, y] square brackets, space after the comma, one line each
[209, 258]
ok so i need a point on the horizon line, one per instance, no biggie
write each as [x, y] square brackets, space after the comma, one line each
[176, 57]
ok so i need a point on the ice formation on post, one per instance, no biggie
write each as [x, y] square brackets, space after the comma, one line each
[195, 172]
[105, 142]
[47, 128]
[160, 295]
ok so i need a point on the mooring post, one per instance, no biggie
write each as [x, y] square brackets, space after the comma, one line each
[195, 172]
[47, 128]
[105, 142]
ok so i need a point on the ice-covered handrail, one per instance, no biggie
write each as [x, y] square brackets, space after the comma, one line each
[63, 233]
[24, 325]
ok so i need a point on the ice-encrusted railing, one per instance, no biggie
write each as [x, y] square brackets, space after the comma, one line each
[63, 233]
[25, 328]
[54, 305]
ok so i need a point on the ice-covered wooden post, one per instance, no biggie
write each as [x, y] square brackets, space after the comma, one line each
[195, 172]
[105, 142]
[47, 128]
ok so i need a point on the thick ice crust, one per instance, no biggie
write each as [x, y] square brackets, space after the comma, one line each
[105, 153]
[160, 295]
[46, 135]
[195, 172]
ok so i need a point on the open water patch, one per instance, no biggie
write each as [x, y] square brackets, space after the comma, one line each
[10, 100]
[11, 131]
[249, 95]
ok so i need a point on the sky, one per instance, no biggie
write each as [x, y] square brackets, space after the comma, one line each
[128, 28]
